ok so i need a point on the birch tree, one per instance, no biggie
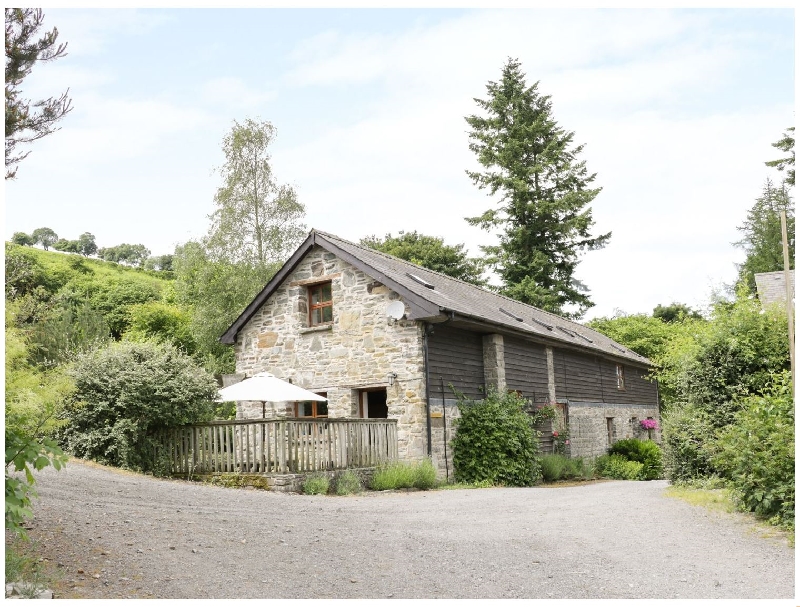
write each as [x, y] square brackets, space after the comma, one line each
[257, 221]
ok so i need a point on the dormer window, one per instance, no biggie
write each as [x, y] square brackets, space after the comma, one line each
[320, 304]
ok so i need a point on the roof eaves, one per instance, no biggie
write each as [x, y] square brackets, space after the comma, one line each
[229, 337]
[421, 307]
[524, 330]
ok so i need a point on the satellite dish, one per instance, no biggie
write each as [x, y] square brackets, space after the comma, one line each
[396, 310]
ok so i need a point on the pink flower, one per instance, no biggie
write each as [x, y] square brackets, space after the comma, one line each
[649, 424]
[566, 442]
[555, 433]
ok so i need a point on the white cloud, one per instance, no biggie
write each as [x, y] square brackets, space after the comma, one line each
[653, 94]
[89, 32]
[233, 93]
[106, 130]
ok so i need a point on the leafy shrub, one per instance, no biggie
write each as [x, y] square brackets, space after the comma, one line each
[616, 466]
[393, 475]
[757, 452]
[553, 467]
[316, 484]
[686, 434]
[347, 483]
[67, 327]
[126, 391]
[155, 320]
[645, 452]
[402, 475]
[32, 398]
[495, 442]
[24, 273]
[425, 475]
[557, 467]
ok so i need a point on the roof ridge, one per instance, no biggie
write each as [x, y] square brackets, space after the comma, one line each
[464, 282]
[405, 261]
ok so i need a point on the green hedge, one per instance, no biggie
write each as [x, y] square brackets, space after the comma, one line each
[495, 442]
[757, 452]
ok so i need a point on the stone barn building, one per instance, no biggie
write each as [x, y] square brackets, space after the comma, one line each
[384, 338]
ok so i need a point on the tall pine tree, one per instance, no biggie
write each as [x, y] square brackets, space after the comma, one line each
[543, 213]
[761, 234]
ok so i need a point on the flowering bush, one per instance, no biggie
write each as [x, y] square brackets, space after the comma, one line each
[649, 424]
[560, 441]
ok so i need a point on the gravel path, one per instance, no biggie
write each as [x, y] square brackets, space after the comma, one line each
[119, 535]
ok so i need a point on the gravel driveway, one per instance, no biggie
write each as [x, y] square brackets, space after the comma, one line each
[119, 535]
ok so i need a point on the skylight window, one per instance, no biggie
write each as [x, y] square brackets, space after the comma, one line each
[511, 314]
[421, 281]
[544, 324]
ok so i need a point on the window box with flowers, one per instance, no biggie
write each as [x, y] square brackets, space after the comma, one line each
[649, 424]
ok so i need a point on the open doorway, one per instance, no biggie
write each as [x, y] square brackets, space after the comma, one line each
[372, 403]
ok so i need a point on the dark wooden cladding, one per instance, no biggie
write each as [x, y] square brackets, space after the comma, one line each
[589, 378]
[638, 389]
[456, 355]
[580, 376]
[526, 368]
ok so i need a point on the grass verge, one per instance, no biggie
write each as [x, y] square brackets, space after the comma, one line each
[24, 566]
[722, 500]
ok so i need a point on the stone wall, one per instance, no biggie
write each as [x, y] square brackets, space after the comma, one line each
[360, 349]
[589, 426]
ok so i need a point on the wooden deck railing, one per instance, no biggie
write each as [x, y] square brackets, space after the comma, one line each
[278, 445]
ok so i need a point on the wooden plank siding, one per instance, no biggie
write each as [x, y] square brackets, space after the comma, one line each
[526, 368]
[587, 378]
[577, 376]
[456, 355]
[638, 389]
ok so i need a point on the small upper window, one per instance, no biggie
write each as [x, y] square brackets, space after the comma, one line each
[311, 408]
[320, 304]
[620, 377]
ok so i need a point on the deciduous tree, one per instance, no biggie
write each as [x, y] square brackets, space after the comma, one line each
[27, 122]
[675, 312]
[128, 254]
[257, 221]
[86, 244]
[45, 237]
[430, 252]
[23, 239]
[543, 212]
[217, 291]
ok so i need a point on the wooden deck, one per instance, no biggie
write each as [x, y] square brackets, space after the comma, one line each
[278, 446]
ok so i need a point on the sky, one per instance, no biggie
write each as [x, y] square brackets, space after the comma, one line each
[677, 110]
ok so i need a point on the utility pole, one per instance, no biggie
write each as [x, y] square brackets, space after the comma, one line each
[789, 292]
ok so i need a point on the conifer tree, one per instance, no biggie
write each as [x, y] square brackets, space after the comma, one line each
[24, 123]
[543, 212]
[761, 233]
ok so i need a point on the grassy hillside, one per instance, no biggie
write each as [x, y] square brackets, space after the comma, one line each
[68, 291]
[59, 269]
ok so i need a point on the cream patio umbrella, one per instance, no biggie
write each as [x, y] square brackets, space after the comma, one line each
[265, 387]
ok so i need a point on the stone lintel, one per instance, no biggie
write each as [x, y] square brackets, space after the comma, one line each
[315, 280]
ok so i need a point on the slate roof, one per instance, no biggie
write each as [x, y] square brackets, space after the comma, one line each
[771, 286]
[432, 295]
